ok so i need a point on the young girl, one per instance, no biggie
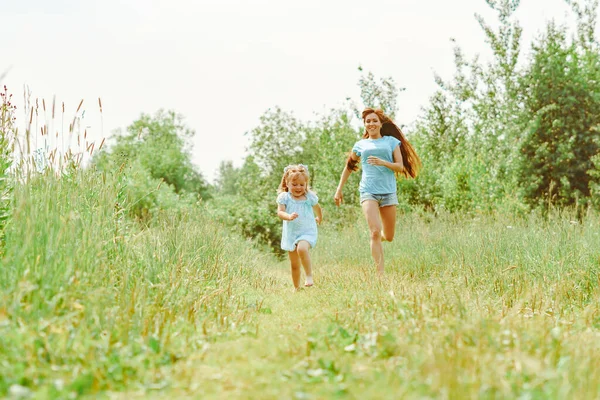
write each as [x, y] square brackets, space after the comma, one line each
[297, 206]
[383, 153]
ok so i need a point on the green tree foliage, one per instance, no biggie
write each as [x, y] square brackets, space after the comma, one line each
[466, 134]
[227, 178]
[499, 135]
[155, 152]
[378, 94]
[326, 149]
[277, 140]
[502, 134]
[246, 196]
[562, 105]
[245, 201]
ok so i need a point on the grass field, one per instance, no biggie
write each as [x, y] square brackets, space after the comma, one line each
[93, 305]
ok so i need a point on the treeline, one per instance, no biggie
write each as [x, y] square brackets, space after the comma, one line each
[515, 134]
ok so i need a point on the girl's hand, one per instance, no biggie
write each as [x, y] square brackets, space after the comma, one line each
[293, 216]
[372, 160]
[338, 197]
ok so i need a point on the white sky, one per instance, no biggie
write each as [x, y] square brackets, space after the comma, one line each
[223, 63]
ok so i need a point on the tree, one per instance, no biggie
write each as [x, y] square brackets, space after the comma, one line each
[154, 157]
[382, 94]
[277, 141]
[161, 145]
[562, 103]
[468, 131]
[228, 178]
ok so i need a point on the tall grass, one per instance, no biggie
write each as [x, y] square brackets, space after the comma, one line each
[477, 308]
[93, 302]
[7, 137]
[90, 301]
[487, 307]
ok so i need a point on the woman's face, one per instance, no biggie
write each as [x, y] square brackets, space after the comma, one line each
[373, 124]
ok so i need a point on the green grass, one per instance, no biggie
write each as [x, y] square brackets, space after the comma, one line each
[94, 304]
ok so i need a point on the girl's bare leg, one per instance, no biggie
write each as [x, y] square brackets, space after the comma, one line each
[303, 249]
[295, 264]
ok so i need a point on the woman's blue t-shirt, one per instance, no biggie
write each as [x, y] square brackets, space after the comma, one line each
[376, 179]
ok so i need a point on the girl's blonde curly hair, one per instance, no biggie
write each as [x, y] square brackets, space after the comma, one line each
[292, 172]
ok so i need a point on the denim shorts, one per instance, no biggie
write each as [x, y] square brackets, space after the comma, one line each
[387, 199]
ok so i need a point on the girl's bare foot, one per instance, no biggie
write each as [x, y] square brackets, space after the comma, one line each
[309, 281]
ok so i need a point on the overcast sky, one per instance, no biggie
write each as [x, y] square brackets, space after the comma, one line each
[223, 63]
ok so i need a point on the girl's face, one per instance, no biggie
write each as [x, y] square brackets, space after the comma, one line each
[297, 186]
[373, 124]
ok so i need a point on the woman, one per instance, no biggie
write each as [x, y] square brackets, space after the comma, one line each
[383, 152]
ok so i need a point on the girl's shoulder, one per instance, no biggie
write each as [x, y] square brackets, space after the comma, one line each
[312, 197]
[283, 197]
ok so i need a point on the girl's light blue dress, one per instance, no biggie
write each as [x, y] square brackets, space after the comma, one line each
[302, 228]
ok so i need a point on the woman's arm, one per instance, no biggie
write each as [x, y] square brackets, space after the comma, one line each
[283, 215]
[396, 166]
[338, 197]
[319, 213]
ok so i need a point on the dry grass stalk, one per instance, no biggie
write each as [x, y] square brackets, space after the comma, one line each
[79, 106]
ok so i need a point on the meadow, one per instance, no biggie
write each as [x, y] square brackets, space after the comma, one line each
[94, 304]
[125, 274]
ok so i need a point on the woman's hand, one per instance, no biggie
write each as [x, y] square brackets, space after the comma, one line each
[338, 197]
[372, 160]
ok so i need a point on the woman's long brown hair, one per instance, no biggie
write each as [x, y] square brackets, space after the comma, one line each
[410, 159]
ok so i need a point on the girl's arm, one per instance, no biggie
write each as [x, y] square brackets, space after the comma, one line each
[319, 213]
[396, 166]
[338, 197]
[283, 215]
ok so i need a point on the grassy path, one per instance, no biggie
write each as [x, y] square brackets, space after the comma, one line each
[288, 352]
[257, 362]
[261, 363]
[477, 311]
[412, 336]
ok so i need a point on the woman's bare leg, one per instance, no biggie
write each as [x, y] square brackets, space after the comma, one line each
[388, 220]
[371, 212]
